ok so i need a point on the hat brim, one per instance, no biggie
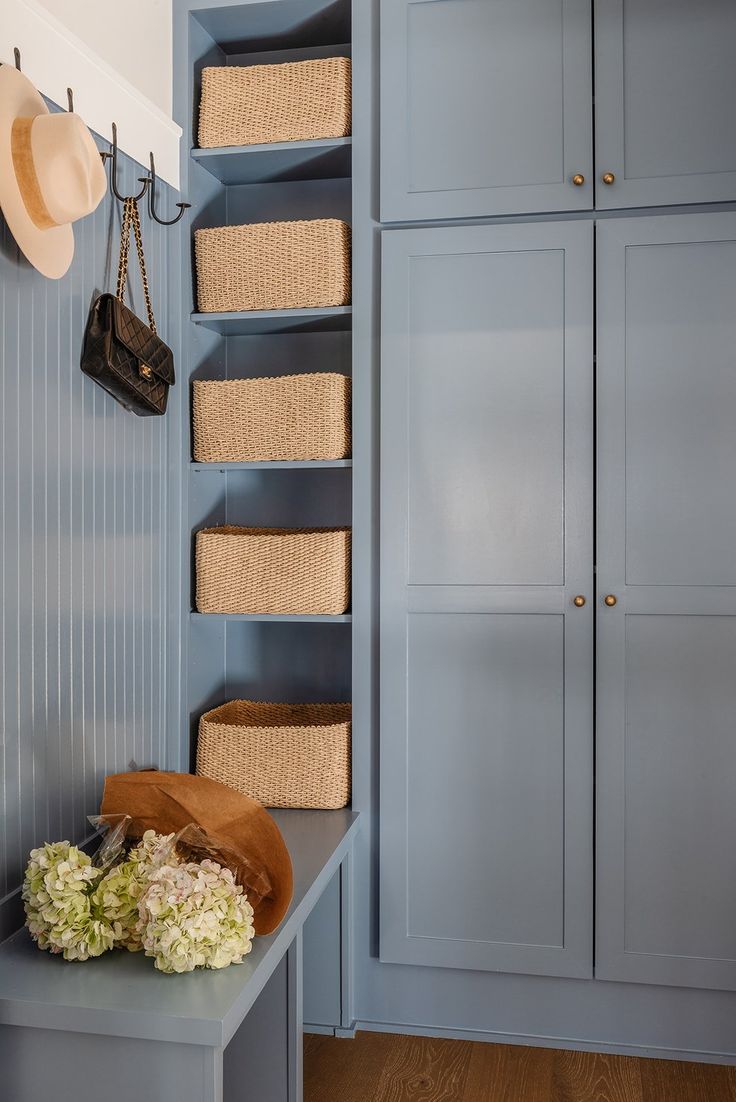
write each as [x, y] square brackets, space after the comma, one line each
[49, 251]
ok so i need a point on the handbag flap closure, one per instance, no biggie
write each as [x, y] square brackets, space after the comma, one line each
[134, 335]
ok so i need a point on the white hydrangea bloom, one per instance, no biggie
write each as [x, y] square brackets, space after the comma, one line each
[195, 916]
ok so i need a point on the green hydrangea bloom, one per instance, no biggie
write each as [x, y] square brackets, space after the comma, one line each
[61, 913]
[195, 916]
[119, 892]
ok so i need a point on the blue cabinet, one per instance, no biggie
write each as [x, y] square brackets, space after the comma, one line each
[486, 540]
[665, 102]
[486, 107]
[666, 654]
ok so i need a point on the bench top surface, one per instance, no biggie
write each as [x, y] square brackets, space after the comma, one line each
[122, 994]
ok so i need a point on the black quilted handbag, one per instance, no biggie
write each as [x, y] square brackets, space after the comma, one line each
[125, 356]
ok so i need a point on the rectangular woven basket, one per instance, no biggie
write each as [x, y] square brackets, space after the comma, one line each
[287, 571]
[273, 265]
[294, 101]
[284, 755]
[290, 417]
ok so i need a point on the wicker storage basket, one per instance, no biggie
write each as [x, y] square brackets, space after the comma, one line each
[285, 755]
[273, 570]
[290, 417]
[273, 265]
[275, 103]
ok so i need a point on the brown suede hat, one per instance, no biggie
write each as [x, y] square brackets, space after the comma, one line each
[168, 802]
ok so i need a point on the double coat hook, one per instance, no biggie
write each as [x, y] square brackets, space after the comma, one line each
[114, 170]
[150, 182]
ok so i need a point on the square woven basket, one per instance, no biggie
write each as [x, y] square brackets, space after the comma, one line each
[288, 571]
[273, 265]
[284, 755]
[291, 417]
[293, 101]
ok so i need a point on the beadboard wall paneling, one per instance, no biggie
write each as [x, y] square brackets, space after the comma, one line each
[87, 492]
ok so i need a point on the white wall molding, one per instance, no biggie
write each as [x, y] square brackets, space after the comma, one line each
[54, 59]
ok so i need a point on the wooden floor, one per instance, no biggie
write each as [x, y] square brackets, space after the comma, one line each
[382, 1067]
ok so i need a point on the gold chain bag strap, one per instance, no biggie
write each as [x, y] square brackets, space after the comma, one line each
[131, 216]
[120, 352]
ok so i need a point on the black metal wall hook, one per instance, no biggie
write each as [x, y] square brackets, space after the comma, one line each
[70, 100]
[150, 181]
[113, 156]
[16, 55]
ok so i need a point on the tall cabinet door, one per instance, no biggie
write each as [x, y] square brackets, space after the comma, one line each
[666, 733]
[486, 540]
[486, 107]
[665, 102]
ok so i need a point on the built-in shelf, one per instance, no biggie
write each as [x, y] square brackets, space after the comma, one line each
[277, 162]
[275, 465]
[247, 323]
[258, 618]
[293, 25]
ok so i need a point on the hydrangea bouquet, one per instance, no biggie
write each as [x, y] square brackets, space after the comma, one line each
[184, 914]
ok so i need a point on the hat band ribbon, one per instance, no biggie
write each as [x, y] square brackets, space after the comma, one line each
[25, 173]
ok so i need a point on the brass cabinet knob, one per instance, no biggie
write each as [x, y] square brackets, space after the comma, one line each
[610, 600]
[578, 601]
[578, 179]
[608, 178]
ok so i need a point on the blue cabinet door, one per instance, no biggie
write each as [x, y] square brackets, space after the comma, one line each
[665, 102]
[486, 539]
[486, 107]
[666, 700]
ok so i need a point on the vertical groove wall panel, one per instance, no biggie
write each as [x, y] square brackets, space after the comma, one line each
[87, 657]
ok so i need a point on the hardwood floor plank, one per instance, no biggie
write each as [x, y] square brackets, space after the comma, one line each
[596, 1077]
[382, 1067]
[678, 1081]
[312, 1044]
[337, 1070]
[509, 1073]
[424, 1069]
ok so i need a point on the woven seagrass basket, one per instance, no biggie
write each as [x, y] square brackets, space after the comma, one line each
[285, 755]
[291, 417]
[288, 571]
[273, 265]
[295, 101]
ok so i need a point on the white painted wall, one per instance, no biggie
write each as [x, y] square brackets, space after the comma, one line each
[115, 55]
[133, 36]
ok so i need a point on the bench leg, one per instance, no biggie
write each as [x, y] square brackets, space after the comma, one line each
[295, 1016]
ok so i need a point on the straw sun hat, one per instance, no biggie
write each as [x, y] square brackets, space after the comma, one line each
[51, 174]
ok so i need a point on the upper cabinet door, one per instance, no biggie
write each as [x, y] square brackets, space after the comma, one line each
[665, 102]
[485, 108]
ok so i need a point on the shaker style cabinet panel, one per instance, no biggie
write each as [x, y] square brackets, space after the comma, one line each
[666, 741]
[486, 539]
[486, 107]
[665, 102]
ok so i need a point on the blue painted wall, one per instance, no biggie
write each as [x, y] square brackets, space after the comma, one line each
[88, 493]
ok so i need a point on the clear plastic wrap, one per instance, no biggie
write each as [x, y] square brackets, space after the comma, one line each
[113, 831]
[193, 843]
[119, 834]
